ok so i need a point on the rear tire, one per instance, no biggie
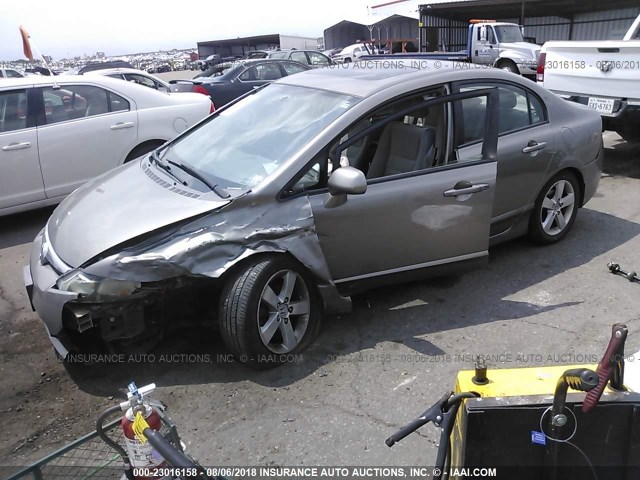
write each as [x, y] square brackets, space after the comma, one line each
[555, 209]
[269, 311]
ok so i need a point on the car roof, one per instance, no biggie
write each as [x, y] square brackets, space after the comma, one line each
[365, 78]
[107, 71]
[295, 50]
[115, 84]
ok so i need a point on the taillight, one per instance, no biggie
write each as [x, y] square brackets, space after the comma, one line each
[540, 71]
[199, 89]
[213, 108]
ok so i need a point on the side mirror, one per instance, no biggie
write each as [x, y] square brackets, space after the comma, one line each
[345, 181]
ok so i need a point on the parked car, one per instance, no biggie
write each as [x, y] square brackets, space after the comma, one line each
[281, 205]
[258, 54]
[136, 76]
[312, 58]
[332, 53]
[90, 67]
[228, 81]
[351, 53]
[10, 73]
[55, 134]
[600, 74]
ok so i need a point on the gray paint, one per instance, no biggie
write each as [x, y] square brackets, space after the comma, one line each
[427, 228]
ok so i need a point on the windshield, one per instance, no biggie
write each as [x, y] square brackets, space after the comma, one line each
[508, 34]
[240, 146]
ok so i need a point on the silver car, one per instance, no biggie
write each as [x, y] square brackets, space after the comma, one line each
[282, 204]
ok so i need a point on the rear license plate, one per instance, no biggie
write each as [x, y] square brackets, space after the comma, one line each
[601, 105]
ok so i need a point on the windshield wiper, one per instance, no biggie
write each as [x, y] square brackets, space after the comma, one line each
[165, 167]
[221, 192]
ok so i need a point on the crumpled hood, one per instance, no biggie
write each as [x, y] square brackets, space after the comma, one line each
[528, 51]
[121, 204]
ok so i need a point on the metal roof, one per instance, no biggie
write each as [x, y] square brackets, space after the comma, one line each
[467, 9]
[252, 41]
[374, 20]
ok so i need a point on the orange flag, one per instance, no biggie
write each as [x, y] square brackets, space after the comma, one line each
[26, 45]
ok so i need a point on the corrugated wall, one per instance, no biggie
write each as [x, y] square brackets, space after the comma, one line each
[344, 34]
[609, 25]
[452, 34]
[605, 25]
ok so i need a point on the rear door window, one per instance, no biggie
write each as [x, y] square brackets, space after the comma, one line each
[268, 71]
[13, 110]
[71, 102]
[317, 59]
[518, 109]
[292, 68]
[299, 57]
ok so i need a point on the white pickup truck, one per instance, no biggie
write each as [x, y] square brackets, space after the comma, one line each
[604, 75]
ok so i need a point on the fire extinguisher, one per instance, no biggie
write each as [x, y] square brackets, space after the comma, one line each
[138, 416]
[140, 457]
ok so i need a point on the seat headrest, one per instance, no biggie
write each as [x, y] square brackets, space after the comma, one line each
[508, 99]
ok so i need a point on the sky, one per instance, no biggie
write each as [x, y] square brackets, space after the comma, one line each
[74, 27]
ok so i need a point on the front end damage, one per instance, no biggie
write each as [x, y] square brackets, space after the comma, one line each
[139, 321]
[171, 277]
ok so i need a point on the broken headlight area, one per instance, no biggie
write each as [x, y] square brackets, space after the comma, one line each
[96, 288]
[105, 318]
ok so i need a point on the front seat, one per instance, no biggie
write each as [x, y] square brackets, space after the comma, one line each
[402, 148]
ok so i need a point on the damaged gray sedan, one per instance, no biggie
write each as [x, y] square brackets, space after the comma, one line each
[282, 204]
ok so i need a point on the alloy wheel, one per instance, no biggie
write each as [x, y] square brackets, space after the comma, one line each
[557, 207]
[283, 311]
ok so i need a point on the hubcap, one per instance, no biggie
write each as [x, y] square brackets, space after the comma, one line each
[557, 207]
[283, 311]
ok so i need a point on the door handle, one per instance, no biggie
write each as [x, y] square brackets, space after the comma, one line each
[121, 125]
[464, 188]
[16, 146]
[534, 146]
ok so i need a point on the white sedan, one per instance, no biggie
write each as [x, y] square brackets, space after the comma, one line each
[136, 76]
[58, 132]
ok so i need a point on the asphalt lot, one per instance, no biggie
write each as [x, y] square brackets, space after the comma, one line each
[368, 373]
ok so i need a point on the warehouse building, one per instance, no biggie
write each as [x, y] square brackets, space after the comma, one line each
[239, 47]
[443, 26]
[382, 30]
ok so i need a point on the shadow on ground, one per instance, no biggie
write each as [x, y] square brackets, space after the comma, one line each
[621, 160]
[401, 314]
[22, 227]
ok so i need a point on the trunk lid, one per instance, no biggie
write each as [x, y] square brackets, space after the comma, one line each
[606, 69]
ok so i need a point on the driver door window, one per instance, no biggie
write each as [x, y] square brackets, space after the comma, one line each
[410, 143]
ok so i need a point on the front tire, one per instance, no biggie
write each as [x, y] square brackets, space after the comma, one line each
[509, 66]
[555, 209]
[269, 311]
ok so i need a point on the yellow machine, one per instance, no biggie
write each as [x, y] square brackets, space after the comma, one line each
[523, 423]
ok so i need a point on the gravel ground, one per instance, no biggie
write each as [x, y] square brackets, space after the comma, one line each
[368, 373]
